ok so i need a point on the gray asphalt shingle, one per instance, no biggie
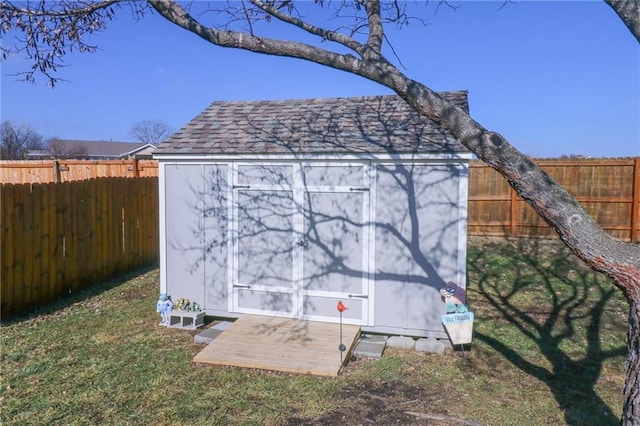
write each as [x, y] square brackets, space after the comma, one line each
[368, 124]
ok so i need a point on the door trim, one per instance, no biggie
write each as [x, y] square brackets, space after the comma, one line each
[297, 291]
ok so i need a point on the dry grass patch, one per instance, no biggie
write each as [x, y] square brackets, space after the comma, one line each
[549, 348]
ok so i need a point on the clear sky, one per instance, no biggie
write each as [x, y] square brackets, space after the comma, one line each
[555, 78]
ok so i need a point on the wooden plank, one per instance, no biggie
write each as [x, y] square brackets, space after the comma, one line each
[52, 238]
[513, 213]
[132, 228]
[45, 235]
[45, 171]
[7, 249]
[71, 234]
[92, 200]
[110, 238]
[28, 247]
[19, 303]
[60, 250]
[36, 257]
[282, 344]
[122, 188]
[83, 230]
[635, 209]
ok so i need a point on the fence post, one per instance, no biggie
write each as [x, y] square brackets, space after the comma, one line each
[635, 208]
[56, 171]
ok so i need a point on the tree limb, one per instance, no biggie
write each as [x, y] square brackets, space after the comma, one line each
[629, 12]
[311, 29]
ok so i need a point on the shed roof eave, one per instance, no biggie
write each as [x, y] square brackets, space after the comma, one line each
[173, 157]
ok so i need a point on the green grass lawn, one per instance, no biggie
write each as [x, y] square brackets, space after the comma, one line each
[549, 348]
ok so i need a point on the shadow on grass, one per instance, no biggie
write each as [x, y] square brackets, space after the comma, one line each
[538, 290]
[79, 296]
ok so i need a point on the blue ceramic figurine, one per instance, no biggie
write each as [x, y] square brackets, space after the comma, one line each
[164, 307]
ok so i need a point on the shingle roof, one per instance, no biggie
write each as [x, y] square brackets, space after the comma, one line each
[369, 124]
[100, 149]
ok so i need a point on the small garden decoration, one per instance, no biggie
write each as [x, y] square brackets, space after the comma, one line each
[164, 307]
[458, 321]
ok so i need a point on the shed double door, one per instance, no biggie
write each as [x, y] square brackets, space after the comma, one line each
[301, 240]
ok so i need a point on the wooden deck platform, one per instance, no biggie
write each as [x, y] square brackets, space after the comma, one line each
[281, 344]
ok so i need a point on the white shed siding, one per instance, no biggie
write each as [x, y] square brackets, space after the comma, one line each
[230, 244]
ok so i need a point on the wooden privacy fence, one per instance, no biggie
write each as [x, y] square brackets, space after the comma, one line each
[609, 190]
[58, 238]
[43, 171]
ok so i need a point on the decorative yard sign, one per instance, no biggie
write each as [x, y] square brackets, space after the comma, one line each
[459, 326]
[458, 321]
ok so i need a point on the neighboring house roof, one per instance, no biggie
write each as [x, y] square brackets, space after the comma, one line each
[94, 149]
[368, 124]
[33, 153]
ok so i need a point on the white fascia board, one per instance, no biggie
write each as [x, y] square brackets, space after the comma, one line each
[463, 156]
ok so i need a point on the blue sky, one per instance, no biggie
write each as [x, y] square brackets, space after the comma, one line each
[555, 78]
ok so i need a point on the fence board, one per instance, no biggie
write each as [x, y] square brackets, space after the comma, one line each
[635, 208]
[43, 171]
[608, 189]
[36, 242]
[59, 238]
[61, 211]
[51, 251]
[62, 237]
[7, 248]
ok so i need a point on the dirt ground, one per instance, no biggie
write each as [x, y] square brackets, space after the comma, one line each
[382, 402]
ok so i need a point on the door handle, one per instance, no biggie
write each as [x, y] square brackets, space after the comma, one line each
[302, 243]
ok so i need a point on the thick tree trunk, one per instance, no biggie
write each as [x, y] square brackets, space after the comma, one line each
[629, 12]
[631, 390]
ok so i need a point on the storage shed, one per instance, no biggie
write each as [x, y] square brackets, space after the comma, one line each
[284, 208]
